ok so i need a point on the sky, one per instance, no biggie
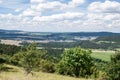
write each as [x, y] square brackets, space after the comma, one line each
[60, 15]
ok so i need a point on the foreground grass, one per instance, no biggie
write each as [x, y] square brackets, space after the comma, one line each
[103, 55]
[19, 74]
[37, 76]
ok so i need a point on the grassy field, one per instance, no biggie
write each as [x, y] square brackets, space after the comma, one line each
[19, 74]
[103, 55]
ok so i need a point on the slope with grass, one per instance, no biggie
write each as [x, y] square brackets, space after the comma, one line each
[16, 73]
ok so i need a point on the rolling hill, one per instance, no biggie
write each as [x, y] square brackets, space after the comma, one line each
[24, 35]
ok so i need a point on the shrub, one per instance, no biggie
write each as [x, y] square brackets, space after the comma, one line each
[63, 69]
[114, 69]
[47, 66]
[77, 62]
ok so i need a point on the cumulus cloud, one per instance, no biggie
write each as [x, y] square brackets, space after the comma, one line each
[18, 9]
[44, 5]
[111, 16]
[47, 6]
[59, 17]
[30, 12]
[37, 1]
[76, 2]
[106, 7]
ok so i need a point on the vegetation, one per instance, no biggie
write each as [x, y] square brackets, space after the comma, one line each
[87, 44]
[17, 73]
[9, 49]
[76, 62]
[47, 66]
[31, 58]
[114, 67]
[22, 35]
[103, 55]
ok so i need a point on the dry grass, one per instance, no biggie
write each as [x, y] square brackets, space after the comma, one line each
[19, 75]
[37, 76]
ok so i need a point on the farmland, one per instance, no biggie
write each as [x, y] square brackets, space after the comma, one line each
[103, 55]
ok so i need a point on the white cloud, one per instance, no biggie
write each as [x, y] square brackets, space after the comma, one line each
[76, 2]
[106, 7]
[55, 15]
[55, 5]
[115, 23]
[30, 12]
[59, 17]
[47, 6]
[18, 9]
[111, 16]
[37, 1]
[94, 16]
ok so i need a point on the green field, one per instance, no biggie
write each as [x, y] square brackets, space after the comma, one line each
[17, 73]
[103, 55]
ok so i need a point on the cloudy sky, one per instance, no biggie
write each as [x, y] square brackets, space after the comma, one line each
[60, 15]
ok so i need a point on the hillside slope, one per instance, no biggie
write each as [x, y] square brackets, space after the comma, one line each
[18, 74]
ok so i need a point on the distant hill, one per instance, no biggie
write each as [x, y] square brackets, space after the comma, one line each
[114, 38]
[24, 35]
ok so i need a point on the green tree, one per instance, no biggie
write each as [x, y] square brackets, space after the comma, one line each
[31, 58]
[114, 69]
[77, 61]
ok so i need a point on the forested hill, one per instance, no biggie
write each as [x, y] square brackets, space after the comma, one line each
[24, 35]
[114, 38]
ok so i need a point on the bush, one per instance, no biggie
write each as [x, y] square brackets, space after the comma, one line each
[63, 69]
[47, 66]
[16, 59]
[114, 69]
[76, 62]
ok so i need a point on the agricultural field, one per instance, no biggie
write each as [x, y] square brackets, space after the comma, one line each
[103, 55]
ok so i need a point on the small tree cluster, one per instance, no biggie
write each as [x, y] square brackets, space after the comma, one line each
[29, 59]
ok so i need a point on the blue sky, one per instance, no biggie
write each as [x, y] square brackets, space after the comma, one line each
[60, 15]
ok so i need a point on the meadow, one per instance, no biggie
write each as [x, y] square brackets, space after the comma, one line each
[16, 73]
[103, 55]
